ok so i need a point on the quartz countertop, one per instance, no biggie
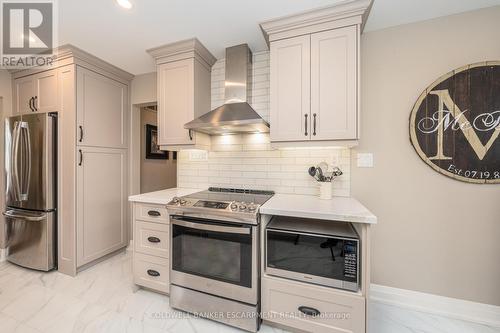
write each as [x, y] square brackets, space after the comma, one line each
[162, 197]
[345, 209]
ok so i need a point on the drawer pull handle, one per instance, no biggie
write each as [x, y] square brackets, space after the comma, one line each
[154, 239]
[152, 272]
[309, 311]
[154, 213]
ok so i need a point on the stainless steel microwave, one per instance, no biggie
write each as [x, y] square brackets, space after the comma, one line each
[316, 251]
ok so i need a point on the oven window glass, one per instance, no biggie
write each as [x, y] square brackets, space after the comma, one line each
[215, 255]
[311, 255]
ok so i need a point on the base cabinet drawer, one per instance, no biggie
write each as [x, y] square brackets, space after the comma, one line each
[151, 238]
[151, 212]
[151, 272]
[311, 308]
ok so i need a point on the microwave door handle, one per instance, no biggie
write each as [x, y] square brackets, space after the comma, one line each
[211, 227]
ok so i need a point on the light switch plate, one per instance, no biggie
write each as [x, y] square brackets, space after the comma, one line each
[365, 160]
[198, 155]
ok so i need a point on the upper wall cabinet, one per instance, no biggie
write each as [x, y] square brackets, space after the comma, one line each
[315, 75]
[36, 93]
[101, 110]
[334, 84]
[183, 74]
[290, 89]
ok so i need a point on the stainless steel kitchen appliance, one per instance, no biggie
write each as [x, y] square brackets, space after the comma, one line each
[314, 251]
[235, 115]
[30, 170]
[215, 255]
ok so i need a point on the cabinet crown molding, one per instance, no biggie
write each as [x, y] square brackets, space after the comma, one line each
[67, 53]
[344, 13]
[188, 48]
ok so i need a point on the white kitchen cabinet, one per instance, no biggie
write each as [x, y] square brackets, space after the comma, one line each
[287, 296]
[36, 93]
[183, 90]
[24, 89]
[101, 110]
[175, 102]
[151, 256]
[314, 75]
[290, 89]
[314, 87]
[101, 202]
[334, 84]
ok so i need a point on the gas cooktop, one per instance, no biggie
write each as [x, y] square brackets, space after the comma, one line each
[221, 203]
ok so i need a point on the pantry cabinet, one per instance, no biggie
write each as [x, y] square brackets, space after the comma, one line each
[101, 202]
[36, 93]
[314, 76]
[101, 110]
[91, 99]
[183, 83]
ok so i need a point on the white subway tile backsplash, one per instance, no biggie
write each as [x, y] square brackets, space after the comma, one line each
[248, 161]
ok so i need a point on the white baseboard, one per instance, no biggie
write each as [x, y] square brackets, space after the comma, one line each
[443, 306]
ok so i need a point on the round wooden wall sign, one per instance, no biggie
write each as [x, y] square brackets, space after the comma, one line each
[455, 124]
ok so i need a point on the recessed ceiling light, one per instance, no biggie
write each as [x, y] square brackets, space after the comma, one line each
[125, 3]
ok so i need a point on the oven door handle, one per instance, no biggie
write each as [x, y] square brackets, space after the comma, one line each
[211, 227]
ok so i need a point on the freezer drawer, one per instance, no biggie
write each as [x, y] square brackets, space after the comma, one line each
[31, 238]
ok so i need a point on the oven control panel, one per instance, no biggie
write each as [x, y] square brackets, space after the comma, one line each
[233, 206]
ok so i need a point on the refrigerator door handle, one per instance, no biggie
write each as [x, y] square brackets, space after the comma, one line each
[25, 180]
[13, 157]
[27, 217]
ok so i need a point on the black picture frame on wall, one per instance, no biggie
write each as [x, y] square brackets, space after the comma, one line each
[152, 149]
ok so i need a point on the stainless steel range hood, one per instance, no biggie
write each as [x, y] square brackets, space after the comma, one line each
[236, 115]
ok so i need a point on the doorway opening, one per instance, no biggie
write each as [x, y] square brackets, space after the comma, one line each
[158, 169]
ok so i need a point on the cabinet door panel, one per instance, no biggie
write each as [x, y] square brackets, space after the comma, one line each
[334, 84]
[290, 89]
[101, 110]
[101, 202]
[46, 91]
[175, 102]
[24, 90]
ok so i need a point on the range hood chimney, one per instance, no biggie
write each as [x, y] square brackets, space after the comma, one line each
[235, 115]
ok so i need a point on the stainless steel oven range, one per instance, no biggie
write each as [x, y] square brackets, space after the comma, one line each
[215, 262]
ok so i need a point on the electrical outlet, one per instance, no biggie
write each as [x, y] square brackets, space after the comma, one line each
[365, 160]
[198, 155]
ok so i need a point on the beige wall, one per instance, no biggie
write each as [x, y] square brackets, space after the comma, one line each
[5, 110]
[155, 174]
[142, 92]
[435, 234]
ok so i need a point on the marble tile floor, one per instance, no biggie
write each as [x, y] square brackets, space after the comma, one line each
[103, 298]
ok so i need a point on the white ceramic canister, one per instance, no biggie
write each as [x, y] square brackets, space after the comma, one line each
[325, 190]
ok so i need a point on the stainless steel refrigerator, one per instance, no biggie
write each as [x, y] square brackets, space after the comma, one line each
[31, 198]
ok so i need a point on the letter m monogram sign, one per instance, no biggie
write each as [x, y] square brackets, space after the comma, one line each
[455, 124]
